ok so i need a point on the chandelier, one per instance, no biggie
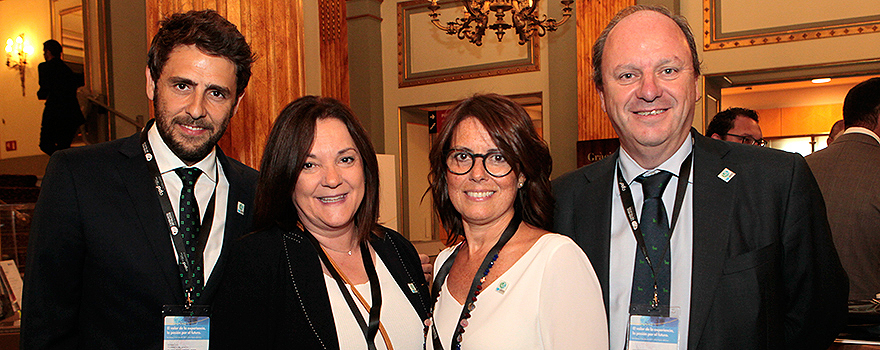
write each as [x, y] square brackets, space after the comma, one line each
[524, 19]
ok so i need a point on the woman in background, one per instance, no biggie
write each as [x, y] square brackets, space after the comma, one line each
[510, 283]
[320, 273]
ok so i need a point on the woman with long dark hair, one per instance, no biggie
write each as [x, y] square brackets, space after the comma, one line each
[510, 283]
[320, 272]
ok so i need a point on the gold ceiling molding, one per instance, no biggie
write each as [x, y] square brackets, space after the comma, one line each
[715, 39]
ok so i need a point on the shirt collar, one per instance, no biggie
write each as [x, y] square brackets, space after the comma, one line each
[631, 169]
[861, 130]
[168, 161]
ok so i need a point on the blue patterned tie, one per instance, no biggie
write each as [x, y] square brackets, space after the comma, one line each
[189, 222]
[655, 228]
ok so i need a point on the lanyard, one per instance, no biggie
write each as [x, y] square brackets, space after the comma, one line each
[372, 328]
[630, 211]
[171, 220]
[444, 271]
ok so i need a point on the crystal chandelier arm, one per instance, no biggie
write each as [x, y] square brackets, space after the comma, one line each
[436, 21]
[566, 14]
[524, 15]
[473, 12]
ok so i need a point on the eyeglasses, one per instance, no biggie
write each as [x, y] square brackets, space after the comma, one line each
[461, 162]
[750, 140]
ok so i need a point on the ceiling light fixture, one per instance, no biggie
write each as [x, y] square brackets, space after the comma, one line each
[524, 19]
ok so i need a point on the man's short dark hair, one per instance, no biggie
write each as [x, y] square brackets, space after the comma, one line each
[723, 121]
[210, 33]
[53, 46]
[599, 46]
[862, 104]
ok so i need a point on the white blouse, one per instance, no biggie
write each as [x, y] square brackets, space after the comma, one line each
[549, 299]
[401, 321]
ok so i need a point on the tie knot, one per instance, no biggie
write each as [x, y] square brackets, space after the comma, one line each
[653, 185]
[188, 175]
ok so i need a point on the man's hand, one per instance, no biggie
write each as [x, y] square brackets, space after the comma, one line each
[427, 267]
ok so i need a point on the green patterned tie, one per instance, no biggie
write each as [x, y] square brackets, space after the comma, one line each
[189, 222]
[656, 232]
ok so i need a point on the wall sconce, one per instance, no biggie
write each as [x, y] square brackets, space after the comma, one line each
[17, 52]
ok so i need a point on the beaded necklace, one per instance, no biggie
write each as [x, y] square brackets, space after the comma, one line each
[475, 290]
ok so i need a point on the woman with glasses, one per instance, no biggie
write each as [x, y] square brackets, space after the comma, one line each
[509, 283]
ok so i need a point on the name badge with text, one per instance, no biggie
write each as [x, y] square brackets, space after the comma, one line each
[186, 330]
[653, 332]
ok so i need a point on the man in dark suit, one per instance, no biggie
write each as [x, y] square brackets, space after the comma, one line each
[62, 115]
[106, 251]
[846, 172]
[749, 264]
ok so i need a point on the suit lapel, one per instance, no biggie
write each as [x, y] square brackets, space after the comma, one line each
[236, 222]
[385, 249]
[307, 277]
[713, 201]
[143, 198]
[595, 217]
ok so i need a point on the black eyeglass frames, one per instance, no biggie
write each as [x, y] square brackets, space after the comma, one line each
[750, 140]
[460, 162]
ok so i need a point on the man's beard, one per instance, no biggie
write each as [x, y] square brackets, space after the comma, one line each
[165, 126]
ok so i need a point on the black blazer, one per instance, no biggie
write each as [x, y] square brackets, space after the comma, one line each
[273, 295]
[100, 262]
[58, 84]
[765, 272]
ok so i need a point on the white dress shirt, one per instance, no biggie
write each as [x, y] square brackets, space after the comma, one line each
[861, 130]
[211, 173]
[623, 245]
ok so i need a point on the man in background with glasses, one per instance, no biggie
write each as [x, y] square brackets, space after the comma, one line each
[736, 124]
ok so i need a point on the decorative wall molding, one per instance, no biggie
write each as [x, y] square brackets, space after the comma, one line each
[452, 49]
[714, 38]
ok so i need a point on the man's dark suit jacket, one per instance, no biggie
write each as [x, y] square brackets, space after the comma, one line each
[58, 84]
[100, 261]
[847, 174]
[273, 295]
[765, 272]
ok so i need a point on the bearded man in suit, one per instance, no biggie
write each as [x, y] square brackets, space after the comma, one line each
[739, 254]
[107, 253]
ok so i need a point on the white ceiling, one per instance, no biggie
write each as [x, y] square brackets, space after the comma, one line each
[791, 94]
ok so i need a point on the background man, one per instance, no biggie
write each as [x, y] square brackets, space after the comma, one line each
[847, 174]
[752, 262]
[736, 124]
[62, 115]
[101, 262]
[835, 131]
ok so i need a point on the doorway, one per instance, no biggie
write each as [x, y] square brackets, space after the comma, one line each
[796, 106]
